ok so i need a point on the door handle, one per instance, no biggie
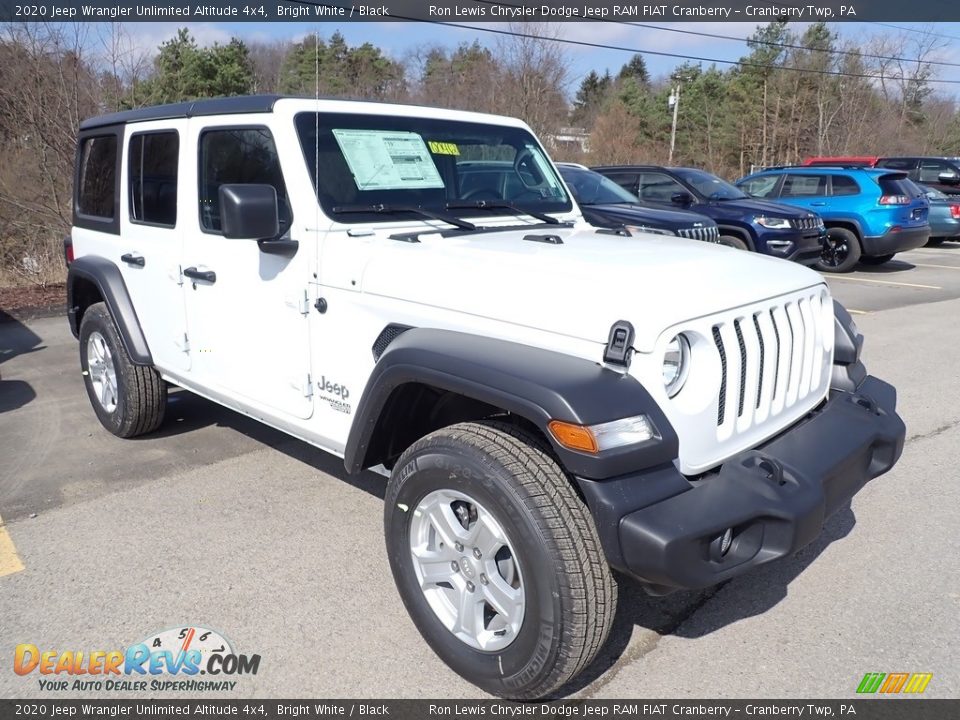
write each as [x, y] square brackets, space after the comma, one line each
[818, 204]
[133, 259]
[207, 275]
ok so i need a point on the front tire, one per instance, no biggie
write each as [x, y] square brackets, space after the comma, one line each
[129, 399]
[497, 559]
[733, 242]
[841, 252]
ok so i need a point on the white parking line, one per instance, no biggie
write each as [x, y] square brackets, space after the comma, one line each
[931, 251]
[945, 267]
[882, 282]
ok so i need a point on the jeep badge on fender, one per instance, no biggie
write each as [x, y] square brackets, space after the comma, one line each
[470, 309]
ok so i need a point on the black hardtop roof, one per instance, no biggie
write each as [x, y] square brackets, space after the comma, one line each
[192, 108]
[236, 105]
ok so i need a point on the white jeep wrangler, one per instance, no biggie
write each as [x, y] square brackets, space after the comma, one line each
[552, 402]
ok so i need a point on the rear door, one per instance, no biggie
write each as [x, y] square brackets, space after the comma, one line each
[846, 195]
[149, 246]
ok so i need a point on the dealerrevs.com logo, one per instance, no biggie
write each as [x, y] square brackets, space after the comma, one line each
[170, 660]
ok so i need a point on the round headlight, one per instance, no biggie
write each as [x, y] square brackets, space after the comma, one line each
[676, 364]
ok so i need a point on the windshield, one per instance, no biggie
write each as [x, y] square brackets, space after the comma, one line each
[710, 186]
[371, 167]
[592, 188]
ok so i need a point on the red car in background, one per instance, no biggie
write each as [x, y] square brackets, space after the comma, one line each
[844, 160]
[940, 173]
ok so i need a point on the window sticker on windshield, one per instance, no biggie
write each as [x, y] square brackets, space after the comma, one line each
[388, 160]
[443, 148]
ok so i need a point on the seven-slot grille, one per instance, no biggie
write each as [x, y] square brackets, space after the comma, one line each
[808, 223]
[770, 359]
[707, 234]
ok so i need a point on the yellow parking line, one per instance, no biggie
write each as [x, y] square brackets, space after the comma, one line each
[945, 267]
[9, 560]
[858, 312]
[883, 282]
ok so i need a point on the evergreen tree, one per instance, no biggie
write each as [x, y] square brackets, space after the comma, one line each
[635, 69]
[593, 90]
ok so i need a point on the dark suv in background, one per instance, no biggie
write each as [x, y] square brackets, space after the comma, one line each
[747, 223]
[942, 174]
[606, 204]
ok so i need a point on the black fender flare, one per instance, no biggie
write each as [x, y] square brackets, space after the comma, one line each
[848, 223]
[536, 384]
[740, 231]
[109, 281]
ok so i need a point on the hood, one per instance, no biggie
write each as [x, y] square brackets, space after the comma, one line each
[638, 215]
[580, 287]
[752, 206]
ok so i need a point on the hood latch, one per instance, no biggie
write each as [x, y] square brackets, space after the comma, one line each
[620, 344]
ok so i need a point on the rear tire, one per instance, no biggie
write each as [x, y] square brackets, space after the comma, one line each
[486, 486]
[841, 251]
[129, 399]
[877, 259]
[733, 242]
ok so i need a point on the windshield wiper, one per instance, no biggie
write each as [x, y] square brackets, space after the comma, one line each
[382, 209]
[498, 205]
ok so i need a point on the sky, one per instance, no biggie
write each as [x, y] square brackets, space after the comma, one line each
[399, 45]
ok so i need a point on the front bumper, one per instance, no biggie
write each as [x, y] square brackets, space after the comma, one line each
[802, 246]
[665, 530]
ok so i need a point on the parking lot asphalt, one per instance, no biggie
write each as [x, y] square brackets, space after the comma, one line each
[219, 522]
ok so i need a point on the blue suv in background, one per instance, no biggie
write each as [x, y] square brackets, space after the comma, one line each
[871, 214]
[745, 223]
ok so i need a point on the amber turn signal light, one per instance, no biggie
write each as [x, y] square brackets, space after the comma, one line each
[573, 437]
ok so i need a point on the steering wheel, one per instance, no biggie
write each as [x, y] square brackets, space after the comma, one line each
[481, 193]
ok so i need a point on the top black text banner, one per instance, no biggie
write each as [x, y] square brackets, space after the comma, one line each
[464, 11]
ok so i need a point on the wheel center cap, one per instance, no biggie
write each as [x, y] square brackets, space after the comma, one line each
[466, 565]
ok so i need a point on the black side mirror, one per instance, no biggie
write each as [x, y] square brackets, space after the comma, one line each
[682, 198]
[949, 177]
[252, 212]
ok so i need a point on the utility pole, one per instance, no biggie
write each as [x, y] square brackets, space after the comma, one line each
[674, 102]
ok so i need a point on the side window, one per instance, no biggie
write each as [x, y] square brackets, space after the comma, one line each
[845, 185]
[804, 186]
[238, 155]
[628, 181]
[761, 187]
[152, 170]
[97, 177]
[930, 170]
[657, 187]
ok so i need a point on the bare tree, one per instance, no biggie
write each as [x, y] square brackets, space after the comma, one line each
[535, 77]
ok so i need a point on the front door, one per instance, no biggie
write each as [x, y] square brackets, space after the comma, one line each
[247, 310]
